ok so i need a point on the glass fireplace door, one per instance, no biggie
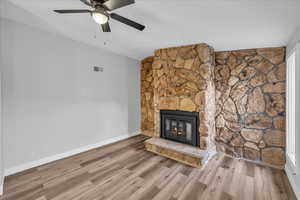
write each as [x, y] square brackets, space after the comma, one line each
[180, 127]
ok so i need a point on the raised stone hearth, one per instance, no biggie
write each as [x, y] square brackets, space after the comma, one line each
[186, 154]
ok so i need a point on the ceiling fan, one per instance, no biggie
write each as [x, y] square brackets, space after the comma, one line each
[101, 12]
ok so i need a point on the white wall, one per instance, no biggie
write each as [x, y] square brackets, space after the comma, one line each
[1, 142]
[295, 177]
[53, 102]
[134, 99]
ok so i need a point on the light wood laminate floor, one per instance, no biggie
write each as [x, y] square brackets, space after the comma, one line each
[125, 170]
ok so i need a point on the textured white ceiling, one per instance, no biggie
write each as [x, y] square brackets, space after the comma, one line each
[223, 24]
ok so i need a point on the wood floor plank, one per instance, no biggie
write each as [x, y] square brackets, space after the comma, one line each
[125, 170]
[149, 189]
[274, 187]
[237, 176]
[193, 191]
[259, 184]
[248, 188]
[214, 189]
[169, 189]
[72, 193]
[67, 185]
[169, 176]
[128, 189]
[98, 190]
[41, 198]
[287, 185]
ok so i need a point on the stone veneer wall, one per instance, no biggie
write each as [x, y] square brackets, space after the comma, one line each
[147, 95]
[183, 80]
[250, 99]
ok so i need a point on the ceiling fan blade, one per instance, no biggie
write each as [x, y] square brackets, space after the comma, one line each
[71, 11]
[86, 2]
[105, 27]
[114, 4]
[127, 21]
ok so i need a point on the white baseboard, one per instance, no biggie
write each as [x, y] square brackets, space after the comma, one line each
[1, 190]
[291, 176]
[49, 159]
[254, 161]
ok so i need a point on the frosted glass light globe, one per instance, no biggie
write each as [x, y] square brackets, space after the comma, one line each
[99, 18]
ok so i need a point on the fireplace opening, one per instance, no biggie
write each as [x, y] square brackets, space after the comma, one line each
[180, 126]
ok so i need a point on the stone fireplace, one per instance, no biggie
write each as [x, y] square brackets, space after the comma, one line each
[238, 96]
[183, 80]
[180, 79]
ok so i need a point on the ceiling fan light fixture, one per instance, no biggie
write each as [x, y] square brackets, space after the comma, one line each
[101, 13]
[100, 18]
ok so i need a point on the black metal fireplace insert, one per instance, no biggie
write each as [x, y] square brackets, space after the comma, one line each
[180, 126]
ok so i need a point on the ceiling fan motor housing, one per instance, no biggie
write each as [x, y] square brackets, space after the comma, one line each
[96, 3]
[100, 9]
